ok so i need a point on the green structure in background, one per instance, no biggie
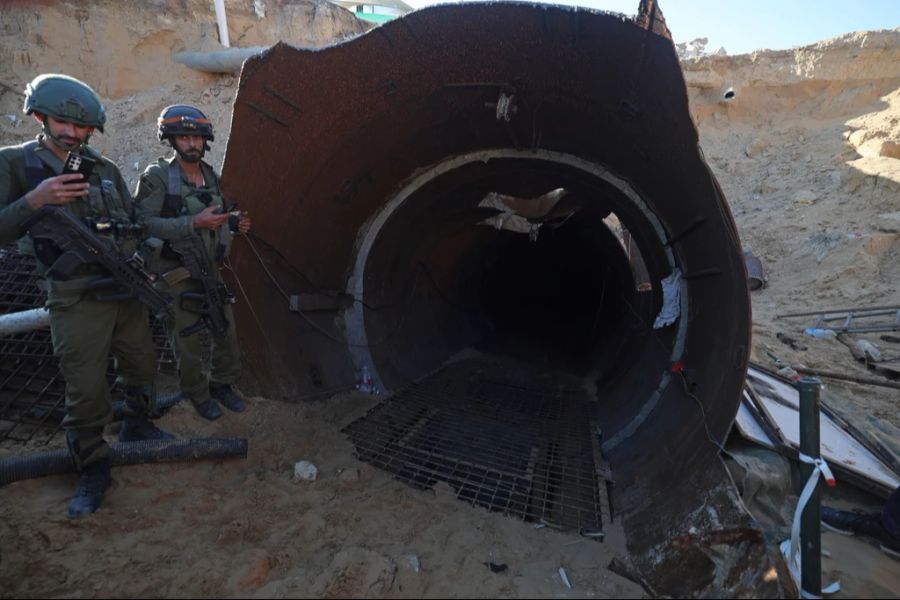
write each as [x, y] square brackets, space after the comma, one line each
[380, 11]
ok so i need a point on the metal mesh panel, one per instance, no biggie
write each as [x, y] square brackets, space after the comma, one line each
[502, 435]
[32, 391]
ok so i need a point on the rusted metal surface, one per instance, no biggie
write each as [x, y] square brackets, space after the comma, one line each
[650, 17]
[365, 164]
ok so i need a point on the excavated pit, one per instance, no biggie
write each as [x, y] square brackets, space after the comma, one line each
[500, 188]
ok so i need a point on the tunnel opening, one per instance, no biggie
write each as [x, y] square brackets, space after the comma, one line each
[503, 309]
[556, 289]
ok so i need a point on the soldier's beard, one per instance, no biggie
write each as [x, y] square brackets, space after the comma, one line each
[68, 146]
[191, 156]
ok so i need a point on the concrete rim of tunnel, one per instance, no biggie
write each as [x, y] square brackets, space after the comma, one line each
[354, 319]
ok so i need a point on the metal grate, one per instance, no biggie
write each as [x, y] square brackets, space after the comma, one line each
[502, 435]
[18, 281]
[32, 390]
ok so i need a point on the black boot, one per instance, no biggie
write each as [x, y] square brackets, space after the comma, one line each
[135, 429]
[226, 396]
[136, 424]
[209, 409]
[94, 481]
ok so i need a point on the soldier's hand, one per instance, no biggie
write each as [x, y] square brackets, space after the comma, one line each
[244, 223]
[61, 189]
[207, 219]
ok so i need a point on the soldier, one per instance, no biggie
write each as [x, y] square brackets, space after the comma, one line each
[177, 198]
[84, 327]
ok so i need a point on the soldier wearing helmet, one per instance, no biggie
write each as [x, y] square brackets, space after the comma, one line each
[85, 324]
[177, 197]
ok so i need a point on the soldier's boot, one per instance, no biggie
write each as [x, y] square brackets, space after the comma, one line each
[227, 397]
[135, 429]
[136, 424]
[208, 409]
[90, 454]
[93, 483]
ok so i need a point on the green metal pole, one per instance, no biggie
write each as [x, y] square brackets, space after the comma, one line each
[810, 532]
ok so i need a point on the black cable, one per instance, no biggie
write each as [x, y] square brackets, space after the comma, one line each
[316, 288]
[709, 434]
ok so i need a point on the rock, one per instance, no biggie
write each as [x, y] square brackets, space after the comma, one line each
[305, 471]
[879, 243]
[889, 222]
[835, 177]
[349, 475]
[756, 147]
[411, 561]
[257, 570]
[805, 197]
[890, 150]
[259, 7]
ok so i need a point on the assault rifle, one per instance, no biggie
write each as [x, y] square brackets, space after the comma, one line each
[210, 303]
[73, 244]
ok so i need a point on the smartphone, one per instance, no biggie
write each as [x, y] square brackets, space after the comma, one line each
[79, 163]
[234, 216]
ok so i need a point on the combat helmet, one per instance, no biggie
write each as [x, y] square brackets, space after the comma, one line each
[64, 98]
[183, 119]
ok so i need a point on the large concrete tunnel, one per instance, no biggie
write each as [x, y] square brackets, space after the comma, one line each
[459, 178]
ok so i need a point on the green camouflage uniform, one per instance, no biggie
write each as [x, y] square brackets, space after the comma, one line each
[149, 198]
[84, 330]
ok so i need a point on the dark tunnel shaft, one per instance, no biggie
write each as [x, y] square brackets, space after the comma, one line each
[554, 286]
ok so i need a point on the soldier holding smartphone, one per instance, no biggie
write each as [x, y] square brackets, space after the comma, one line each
[85, 327]
[180, 197]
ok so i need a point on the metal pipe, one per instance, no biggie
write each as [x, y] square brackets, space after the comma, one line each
[223, 24]
[857, 312]
[847, 377]
[57, 462]
[218, 61]
[810, 535]
[24, 321]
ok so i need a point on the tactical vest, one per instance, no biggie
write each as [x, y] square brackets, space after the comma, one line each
[103, 204]
[218, 242]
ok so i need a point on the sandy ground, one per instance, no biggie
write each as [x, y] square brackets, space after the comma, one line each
[802, 164]
[246, 528]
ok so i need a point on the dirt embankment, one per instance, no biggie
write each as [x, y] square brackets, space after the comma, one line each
[124, 51]
[807, 154]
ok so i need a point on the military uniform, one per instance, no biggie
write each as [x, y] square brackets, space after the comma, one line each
[166, 178]
[84, 330]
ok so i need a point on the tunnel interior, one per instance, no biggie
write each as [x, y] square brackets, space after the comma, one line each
[543, 282]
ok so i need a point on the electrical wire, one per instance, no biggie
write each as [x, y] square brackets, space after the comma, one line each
[323, 331]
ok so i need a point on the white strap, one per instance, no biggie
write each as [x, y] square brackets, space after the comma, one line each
[791, 548]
